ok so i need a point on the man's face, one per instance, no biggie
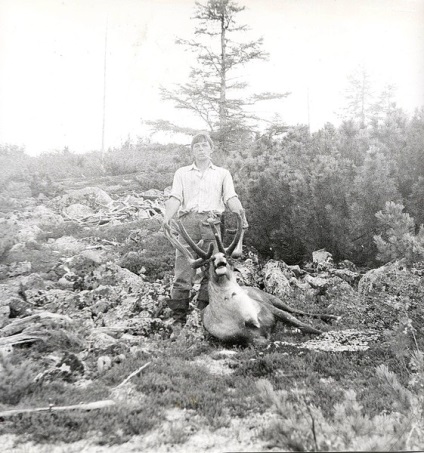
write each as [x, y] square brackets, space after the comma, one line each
[202, 150]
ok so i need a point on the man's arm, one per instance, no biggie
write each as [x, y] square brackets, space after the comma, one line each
[171, 208]
[234, 205]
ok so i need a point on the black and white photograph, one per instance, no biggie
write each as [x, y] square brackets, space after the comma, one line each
[211, 226]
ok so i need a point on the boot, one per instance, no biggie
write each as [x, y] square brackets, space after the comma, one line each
[179, 309]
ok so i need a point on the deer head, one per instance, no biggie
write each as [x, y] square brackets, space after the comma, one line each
[220, 266]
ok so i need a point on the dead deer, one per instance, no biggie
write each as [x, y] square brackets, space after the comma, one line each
[236, 314]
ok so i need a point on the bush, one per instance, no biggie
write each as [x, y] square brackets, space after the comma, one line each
[302, 426]
[398, 240]
[16, 380]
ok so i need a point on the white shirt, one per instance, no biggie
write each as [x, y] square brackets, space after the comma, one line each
[202, 192]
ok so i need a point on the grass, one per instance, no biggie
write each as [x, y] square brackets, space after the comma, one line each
[176, 380]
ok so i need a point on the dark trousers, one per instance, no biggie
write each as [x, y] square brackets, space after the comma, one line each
[198, 229]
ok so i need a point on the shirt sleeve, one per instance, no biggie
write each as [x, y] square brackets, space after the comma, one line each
[177, 187]
[228, 190]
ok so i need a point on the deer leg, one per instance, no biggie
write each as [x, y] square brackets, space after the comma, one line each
[270, 299]
[289, 319]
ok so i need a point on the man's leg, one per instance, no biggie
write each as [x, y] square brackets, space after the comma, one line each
[183, 273]
[180, 292]
[208, 238]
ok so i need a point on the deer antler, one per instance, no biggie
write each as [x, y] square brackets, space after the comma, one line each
[230, 249]
[179, 228]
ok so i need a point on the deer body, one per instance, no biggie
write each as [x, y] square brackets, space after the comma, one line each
[237, 314]
[232, 315]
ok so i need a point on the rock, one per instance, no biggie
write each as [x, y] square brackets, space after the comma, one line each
[4, 314]
[32, 281]
[321, 256]
[67, 281]
[19, 308]
[101, 343]
[8, 234]
[297, 271]
[24, 267]
[346, 264]
[316, 282]
[78, 211]
[28, 233]
[53, 300]
[89, 196]
[276, 279]
[348, 276]
[247, 273]
[322, 260]
[104, 363]
[4, 271]
[152, 194]
[44, 215]
[392, 278]
[67, 245]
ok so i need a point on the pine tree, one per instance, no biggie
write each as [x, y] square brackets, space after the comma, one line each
[209, 93]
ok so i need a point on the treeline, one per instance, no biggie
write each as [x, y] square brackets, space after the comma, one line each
[302, 191]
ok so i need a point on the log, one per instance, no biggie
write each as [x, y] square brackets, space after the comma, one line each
[20, 338]
[84, 407]
[20, 324]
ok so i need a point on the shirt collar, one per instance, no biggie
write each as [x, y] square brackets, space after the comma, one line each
[193, 166]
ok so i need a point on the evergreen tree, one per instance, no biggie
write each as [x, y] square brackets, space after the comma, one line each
[210, 91]
[359, 97]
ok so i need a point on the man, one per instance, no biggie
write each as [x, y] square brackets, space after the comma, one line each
[199, 191]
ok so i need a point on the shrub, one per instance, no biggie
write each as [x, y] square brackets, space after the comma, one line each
[302, 426]
[16, 380]
[398, 239]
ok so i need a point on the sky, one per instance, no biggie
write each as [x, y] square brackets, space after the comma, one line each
[52, 56]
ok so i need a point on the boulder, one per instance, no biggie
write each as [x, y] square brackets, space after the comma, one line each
[19, 308]
[277, 279]
[347, 275]
[152, 194]
[78, 211]
[28, 232]
[394, 279]
[44, 215]
[8, 234]
[32, 281]
[317, 282]
[4, 313]
[89, 196]
[67, 245]
[247, 273]
[21, 268]
[322, 260]
[346, 264]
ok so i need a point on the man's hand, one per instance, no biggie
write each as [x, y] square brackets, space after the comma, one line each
[244, 223]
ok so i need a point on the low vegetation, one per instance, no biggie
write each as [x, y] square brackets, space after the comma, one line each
[350, 190]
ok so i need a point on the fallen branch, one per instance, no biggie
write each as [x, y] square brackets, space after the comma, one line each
[19, 325]
[20, 338]
[134, 373]
[85, 407]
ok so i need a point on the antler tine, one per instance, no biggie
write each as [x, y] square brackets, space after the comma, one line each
[177, 244]
[230, 249]
[194, 263]
[218, 239]
[202, 254]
